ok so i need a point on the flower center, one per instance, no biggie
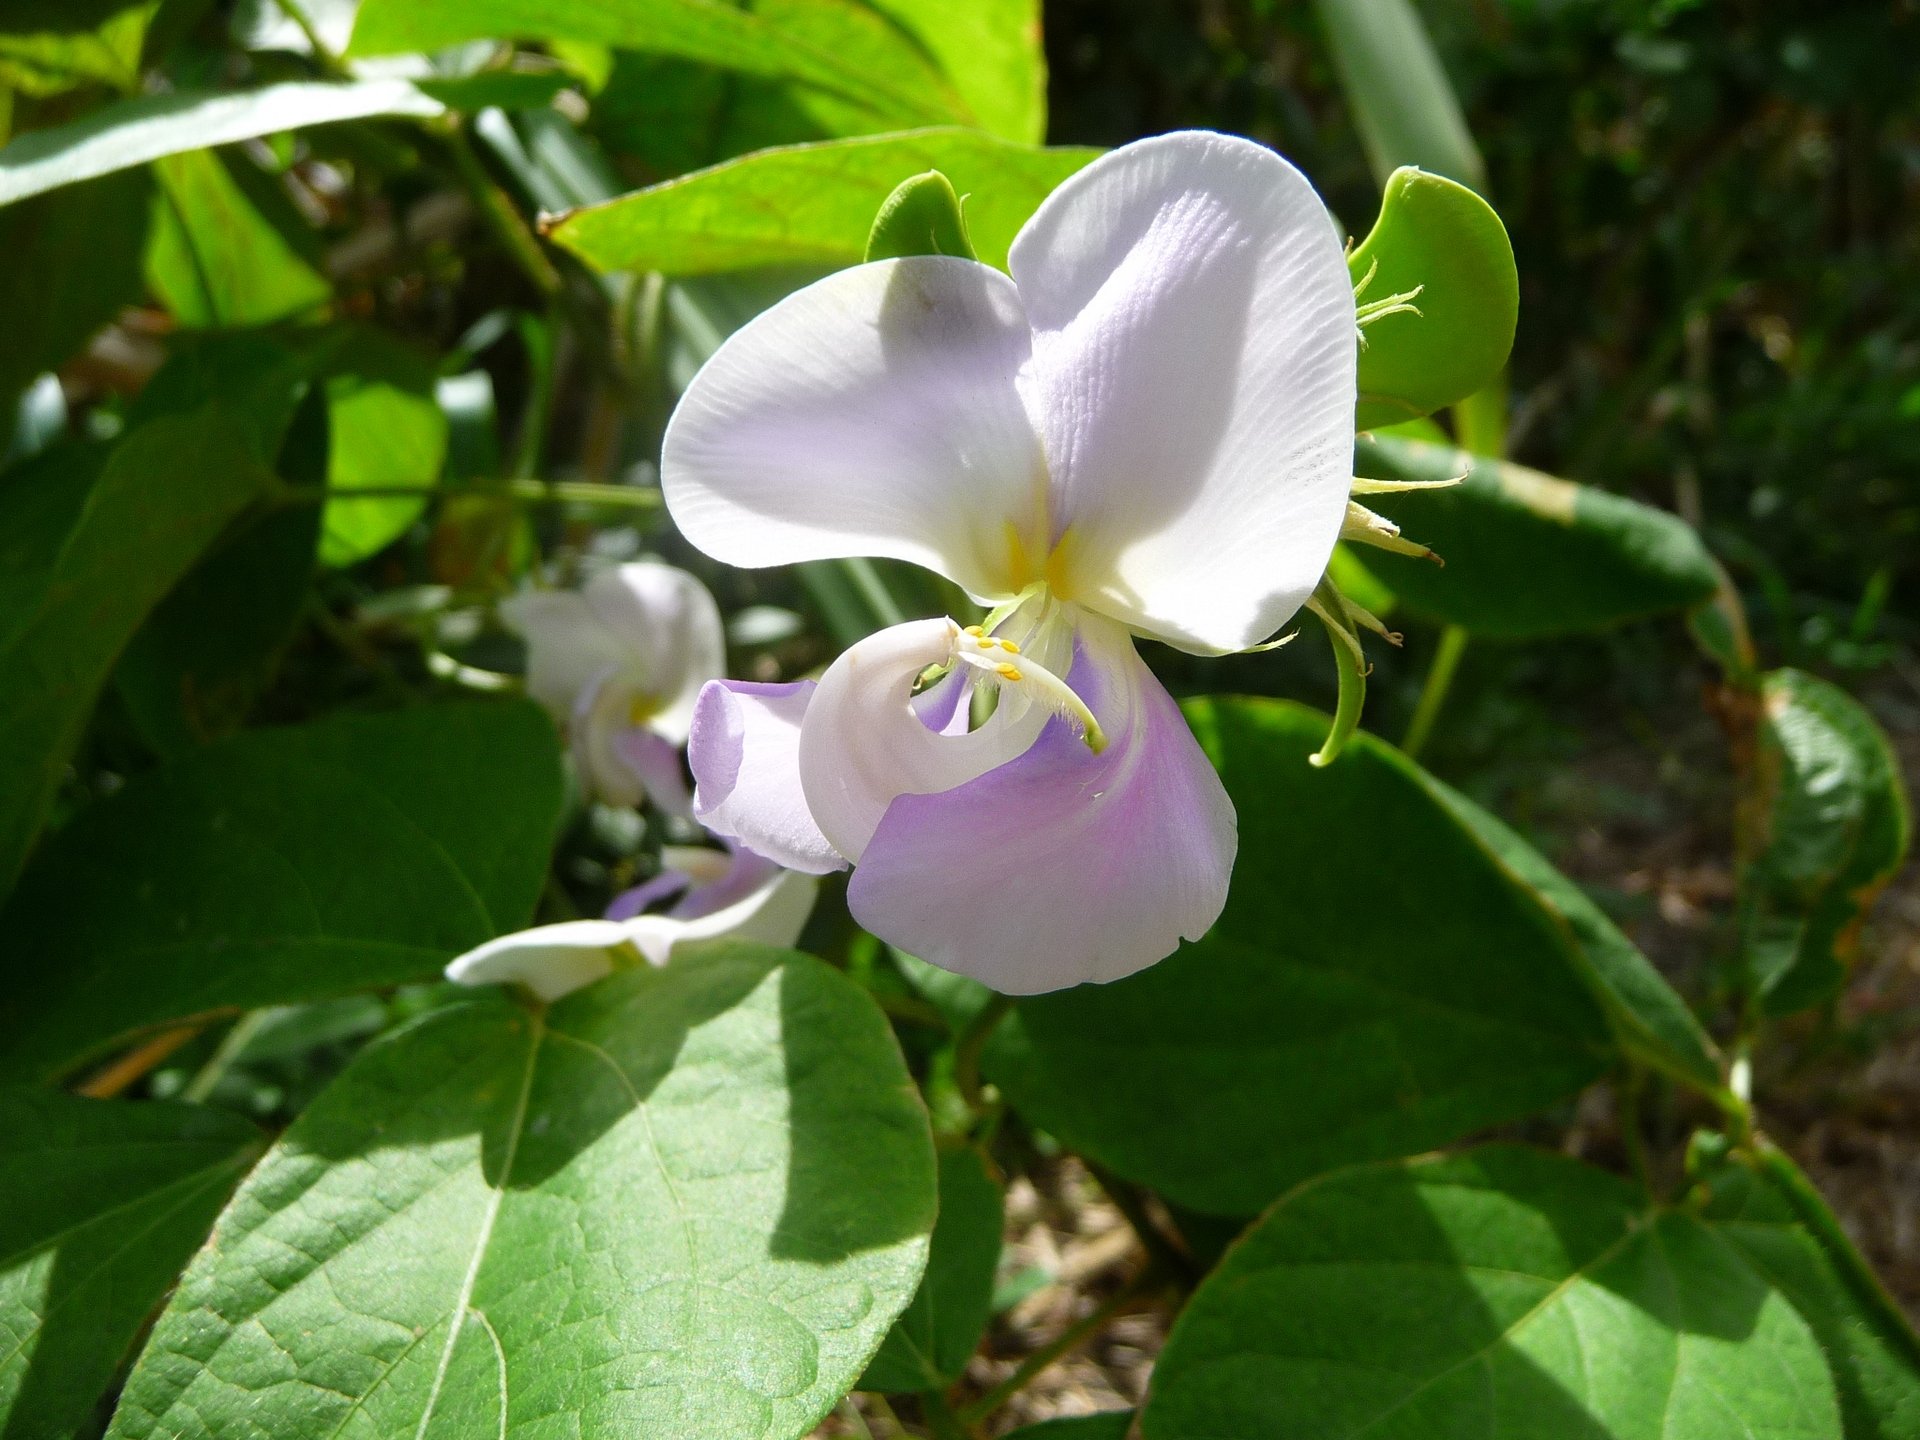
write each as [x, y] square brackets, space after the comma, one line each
[1002, 663]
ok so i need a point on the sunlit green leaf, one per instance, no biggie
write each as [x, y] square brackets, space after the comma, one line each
[931, 1343]
[276, 867]
[132, 132]
[1828, 829]
[921, 217]
[683, 1204]
[214, 259]
[813, 204]
[386, 432]
[1384, 980]
[47, 46]
[990, 51]
[1443, 241]
[1507, 1293]
[1527, 554]
[101, 1205]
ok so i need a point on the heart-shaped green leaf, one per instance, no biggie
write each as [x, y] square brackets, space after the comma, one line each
[813, 204]
[1507, 1293]
[681, 1204]
[1829, 829]
[1444, 241]
[280, 866]
[101, 1204]
[1388, 976]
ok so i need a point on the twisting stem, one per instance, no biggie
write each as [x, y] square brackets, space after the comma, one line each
[231, 1044]
[1068, 1340]
[500, 212]
[1627, 1093]
[1433, 693]
[971, 1043]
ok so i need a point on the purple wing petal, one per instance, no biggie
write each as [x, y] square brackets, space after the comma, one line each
[745, 751]
[1061, 866]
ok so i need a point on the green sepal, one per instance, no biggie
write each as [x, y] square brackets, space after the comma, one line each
[921, 217]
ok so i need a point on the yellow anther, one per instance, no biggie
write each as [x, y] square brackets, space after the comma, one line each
[975, 631]
[1006, 671]
[1009, 647]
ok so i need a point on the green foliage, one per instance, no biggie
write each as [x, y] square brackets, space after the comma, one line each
[100, 1206]
[100, 539]
[280, 866]
[1507, 1292]
[386, 431]
[1828, 826]
[47, 47]
[682, 1203]
[921, 217]
[214, 259]
[1426, 994]
[1584, 558]
[132, 132]
[932, 1341]
[813, 204]
[1443, 241]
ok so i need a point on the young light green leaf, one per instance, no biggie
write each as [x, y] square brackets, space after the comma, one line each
[1828, 828]
[386, 431]
[100, 544]
[101, 1204]
[1503, 1294]
[1443, 245]
[132, 132]
[1402, 103]
[931, 1343]
[50, 46]
[1769, 1211]
[277, 867]
[214, 260]
[684, 1203]
[1527, 554]
[1379, 984]
[813, 204]
[849, 49]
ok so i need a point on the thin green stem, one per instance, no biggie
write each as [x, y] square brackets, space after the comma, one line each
[328, 62]
[1433, 691]
[1069, 1340]
[942, 1422]
[232, 1043]
[533, 492]
[971, 1043]
[500, 212]
[1130, 1200]
[1627, 1094]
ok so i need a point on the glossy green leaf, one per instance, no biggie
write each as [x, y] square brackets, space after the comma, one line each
[1398, 91]
[921, 217]
[192, 672]
[132, 132]
[214, 260]
[386, 431]
[277, 867]
[991, 53]
[51, 306]
[1768, 1211]
[101, 1205]
[846, 48]
[1443, 241]
[813, 204]
[1382, 981]
[1527, 554]
[1828, 828]
[48, 46]
[1503, 1294]
[92, 547]
[931, 1343]
[683, 1203]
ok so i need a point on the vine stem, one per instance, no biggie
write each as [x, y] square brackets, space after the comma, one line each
[231, 1044]
[1433, 692]
[971, 1043]
[535, 492]
[117, 1077]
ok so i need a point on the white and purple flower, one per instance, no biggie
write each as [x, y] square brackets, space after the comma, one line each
[1145, 429]
[620, 664]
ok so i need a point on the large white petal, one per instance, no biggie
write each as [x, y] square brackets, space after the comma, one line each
[863, 742]
[772, 914]
[667, 624]
[1193, 377]
[875, 412]
[549, 960]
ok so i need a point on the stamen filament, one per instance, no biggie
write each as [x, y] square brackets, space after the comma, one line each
[1035, 681]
